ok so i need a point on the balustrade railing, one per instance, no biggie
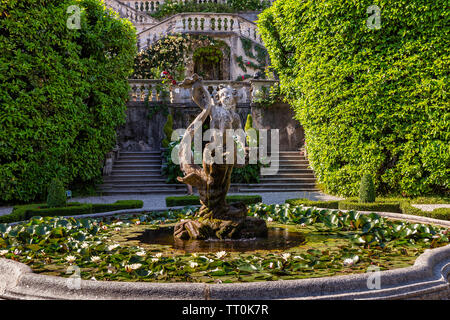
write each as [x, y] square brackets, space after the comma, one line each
[150, 6]
[200, 23]
[152, 91]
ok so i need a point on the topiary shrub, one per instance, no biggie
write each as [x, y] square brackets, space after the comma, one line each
[167, 129]
[62, 92]
[56, 194]
[366, 189]
[247, 128]
[368, 99]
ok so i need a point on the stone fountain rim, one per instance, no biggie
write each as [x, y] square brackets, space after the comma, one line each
[427, 278]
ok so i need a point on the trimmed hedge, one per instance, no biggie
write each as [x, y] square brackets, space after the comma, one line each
[176, 201]
[25, 212]
[371, 206]
[62, 93]
[369, 99]
[310, 203]
[397, 205]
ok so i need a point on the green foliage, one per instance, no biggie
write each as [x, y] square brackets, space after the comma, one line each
[56, 194]
[171, 170]
[267, 97]
[373, 206]
[168, 129]
[370, 100]
[62, 93]
[24, 212]
[367, 189]
[175, 201]
[248, 126]
[311, 203]
[209, 54]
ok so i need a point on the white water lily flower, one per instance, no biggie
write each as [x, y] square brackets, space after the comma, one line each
[348, 262]
[286, 256]
[17, 252]
[193, 264]
[131, 267]
[113, 246]
[221, 254]
[269, 219]
[70, 259]
[85, 245]
[95, 259]
[110, 269]
[302, 225]
[271, 265]
[116, 229]
[158, 255]
[3, 252]
[141, 253]
[155, 259]
[138, 222]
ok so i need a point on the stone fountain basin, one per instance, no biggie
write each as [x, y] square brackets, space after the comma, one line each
[428, 278]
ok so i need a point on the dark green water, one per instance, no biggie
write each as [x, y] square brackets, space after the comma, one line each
[277, 239]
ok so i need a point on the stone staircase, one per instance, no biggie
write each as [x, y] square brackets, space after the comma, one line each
[293, 174]
[140, 173]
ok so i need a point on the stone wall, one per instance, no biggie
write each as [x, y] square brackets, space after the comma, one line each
[141, 133]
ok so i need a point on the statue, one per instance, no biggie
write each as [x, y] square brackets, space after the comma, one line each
[216, 218]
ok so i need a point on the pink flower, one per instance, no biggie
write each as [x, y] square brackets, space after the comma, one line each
[243, 78]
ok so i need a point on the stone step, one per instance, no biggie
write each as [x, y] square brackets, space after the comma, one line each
[142, 191]
[132, 171]
[265, 180]
[136, 166]
[261, 190]
[139, 153]
[290, 175]
[141, 157]
[137, 162]
[294, 169]
[274, 185]
[128, 181]
[157, 185]
[132, 176]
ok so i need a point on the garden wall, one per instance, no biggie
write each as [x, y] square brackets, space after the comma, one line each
[141, 132]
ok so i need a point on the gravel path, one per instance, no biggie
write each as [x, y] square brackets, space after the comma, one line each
[430, 207]
[158, 201]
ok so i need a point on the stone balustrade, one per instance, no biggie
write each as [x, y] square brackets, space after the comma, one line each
[257, 86]
[152, 90]
[141, 20]
[150, 6]
[208, 23]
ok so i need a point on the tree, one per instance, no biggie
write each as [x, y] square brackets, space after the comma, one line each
[62, 92]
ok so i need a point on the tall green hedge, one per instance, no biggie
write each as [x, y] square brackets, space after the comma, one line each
[62, 92]
[370, 100]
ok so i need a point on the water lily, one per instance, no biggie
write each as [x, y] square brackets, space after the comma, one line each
[158, 255]
[286, 256]
[110, 269]
[269, 219]
[131, 267]
[17, 252]
[138, 222]
[271, 265]
[84, 245]
[104, 227]
[221, 254]
[349, 262]
[116, 229]
[3, 252]
[95, 259]
[71, 259]
[141, 253]
[193, 264]
[113, 246]
[155, 259]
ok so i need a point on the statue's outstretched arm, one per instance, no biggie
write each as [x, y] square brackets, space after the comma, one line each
[200, 95]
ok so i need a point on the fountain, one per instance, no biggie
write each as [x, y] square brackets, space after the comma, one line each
[216, 218]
